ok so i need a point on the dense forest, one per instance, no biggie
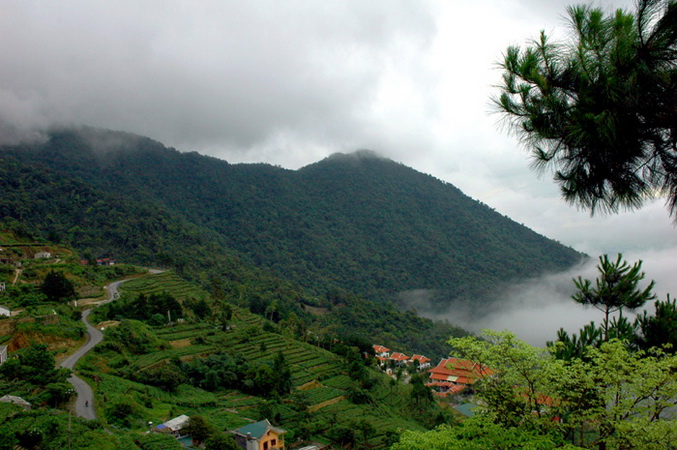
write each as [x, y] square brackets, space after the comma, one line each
[357, 223]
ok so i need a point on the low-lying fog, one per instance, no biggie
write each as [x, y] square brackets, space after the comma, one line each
[535, 309]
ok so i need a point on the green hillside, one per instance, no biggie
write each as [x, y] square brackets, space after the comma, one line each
[357, 223]
[213, 360]
[230, 374]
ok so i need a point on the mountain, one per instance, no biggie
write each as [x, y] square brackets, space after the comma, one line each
[357, 223]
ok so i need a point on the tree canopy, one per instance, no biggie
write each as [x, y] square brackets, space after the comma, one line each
[599, 108]
[615, 288]
[57, 287]
[613, 399]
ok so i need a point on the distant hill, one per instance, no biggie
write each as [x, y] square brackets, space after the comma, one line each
[357, 223]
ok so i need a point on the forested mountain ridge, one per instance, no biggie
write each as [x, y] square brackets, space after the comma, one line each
[358, 222]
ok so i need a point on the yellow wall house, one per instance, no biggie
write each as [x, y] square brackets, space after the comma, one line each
[260, 436]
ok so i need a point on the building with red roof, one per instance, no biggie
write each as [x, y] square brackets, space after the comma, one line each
[381, 351]
[399, 358]
[423, 362]
[452, 375]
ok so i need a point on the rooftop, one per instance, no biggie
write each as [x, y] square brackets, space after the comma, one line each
[258, 429]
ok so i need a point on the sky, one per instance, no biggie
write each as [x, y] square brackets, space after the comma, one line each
[289, 83]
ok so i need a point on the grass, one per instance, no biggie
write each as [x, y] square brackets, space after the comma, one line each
[320, 374]
[165, 282]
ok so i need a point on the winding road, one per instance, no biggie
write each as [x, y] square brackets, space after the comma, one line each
[84, 403]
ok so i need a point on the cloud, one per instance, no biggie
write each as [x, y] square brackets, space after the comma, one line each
[535, 309]
[228, 75]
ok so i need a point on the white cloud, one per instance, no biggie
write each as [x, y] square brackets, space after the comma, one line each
[535, 309]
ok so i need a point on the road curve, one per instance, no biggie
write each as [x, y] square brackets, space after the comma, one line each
[84, 403]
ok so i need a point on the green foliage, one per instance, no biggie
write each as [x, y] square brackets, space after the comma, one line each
[476, 433]
[52, 429]
[131, 336]
[35, 364]
[221, 441]
[660, 329]
[143, 308]
[615, 289]
[360, 323]
[24, 295]
[342, 435]
[57, 287]
[157, 441]
[601, 400]
[217, 371]
[199, 428]
[123, 413]
[575, 346]
[599, 108]
[167, 376]
[282, 371]
[421, 395]
[201, 309]
[293, 384]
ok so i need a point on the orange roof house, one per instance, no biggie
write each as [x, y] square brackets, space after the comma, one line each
[423, 362]
[452, 373]
[399, 357]
[381, 351]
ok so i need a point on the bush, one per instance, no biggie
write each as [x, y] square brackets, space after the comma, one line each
[57, 287]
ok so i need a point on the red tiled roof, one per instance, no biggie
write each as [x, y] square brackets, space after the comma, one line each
[441, 376]
[453, 389]
[420, 358]
[380, 348]
[465, 371]
[397, 356]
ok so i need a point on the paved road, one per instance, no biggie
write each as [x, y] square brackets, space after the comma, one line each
[84, 403]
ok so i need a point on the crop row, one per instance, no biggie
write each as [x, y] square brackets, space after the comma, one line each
[155, 357]
[223, 419]
[184, 334]
[164, 282]
[240, 402]
[322, 394]
[188, 395]
[338, 382]
[180, 328]
[300, 377]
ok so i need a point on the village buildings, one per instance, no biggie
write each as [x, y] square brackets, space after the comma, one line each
[453, 375]
[422, 361]
[173, 426]
[384, 356]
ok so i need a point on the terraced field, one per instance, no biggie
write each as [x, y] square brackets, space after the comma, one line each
[165, 282]
[319, 377]
[183, 331]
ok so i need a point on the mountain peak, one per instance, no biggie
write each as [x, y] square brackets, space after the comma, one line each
[356, 156]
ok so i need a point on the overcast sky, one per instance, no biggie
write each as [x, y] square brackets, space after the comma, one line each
[291, 82]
